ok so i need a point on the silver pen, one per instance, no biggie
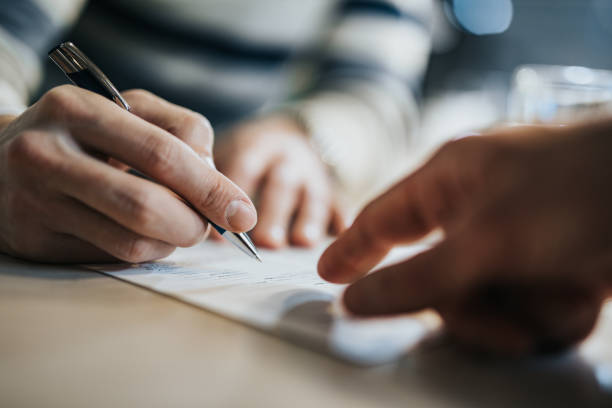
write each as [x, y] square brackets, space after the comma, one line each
[85, 74]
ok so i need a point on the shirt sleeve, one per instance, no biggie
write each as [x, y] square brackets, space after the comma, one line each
[359, 98]
[28, 29]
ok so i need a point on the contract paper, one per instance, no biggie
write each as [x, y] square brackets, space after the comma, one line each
[283, 295]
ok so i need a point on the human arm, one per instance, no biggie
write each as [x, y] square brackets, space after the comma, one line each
[526, 257]
[345, 126]
[273, 161]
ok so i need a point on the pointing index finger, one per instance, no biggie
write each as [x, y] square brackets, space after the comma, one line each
[402, 214]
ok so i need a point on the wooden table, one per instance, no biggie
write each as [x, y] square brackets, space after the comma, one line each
[75, 338]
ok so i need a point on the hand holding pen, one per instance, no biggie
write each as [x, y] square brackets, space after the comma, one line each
[63, 202]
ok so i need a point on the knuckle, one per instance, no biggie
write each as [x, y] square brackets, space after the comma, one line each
[195, 237]
[197, 127]
[449, 148]
[23, 147]
[135, 250]
[56, 96]
[494, 154]
[138, 94]
[60, 103]
[482, 162]
[197, 122]
[188, 233]
[137, 205]
[284, 176]
[212, 195]
[28, 150]
[159, 156]
[198, 233]
[465, 146]
[33, 153]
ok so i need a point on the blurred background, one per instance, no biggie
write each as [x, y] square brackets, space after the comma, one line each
[476, 48]
[520, 61]
[458, 66]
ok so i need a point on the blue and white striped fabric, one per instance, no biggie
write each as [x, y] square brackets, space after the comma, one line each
[27, 30]
[348, 68]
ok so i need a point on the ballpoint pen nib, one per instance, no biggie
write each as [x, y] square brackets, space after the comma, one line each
[243, 243]
[251, 247]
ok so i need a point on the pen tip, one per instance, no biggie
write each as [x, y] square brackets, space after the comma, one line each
[258, 258]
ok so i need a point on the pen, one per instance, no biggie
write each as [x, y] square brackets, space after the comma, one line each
[85, 74]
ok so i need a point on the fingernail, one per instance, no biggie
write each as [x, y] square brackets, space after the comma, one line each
[277, 234]
[312, 233]
[240, 216]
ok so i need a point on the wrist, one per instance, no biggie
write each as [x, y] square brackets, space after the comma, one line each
[294, 113]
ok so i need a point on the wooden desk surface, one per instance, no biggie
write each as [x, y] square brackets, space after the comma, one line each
[78, 338]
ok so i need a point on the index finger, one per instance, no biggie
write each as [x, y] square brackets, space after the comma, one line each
[189, 126]
[399, 215]
[434, 196]
[102, 125]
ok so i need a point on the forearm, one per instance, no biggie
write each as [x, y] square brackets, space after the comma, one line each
[359, 103]
[361, 132]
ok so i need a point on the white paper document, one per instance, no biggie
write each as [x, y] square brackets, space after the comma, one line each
[283, 295]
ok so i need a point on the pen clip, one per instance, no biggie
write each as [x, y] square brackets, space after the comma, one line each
[71, 60]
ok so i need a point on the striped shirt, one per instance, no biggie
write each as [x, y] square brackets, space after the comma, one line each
[348, 69]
